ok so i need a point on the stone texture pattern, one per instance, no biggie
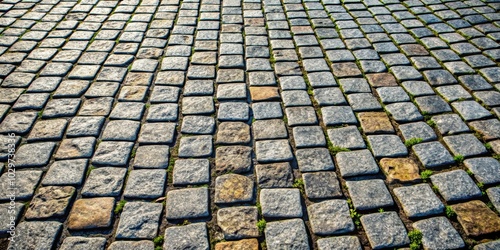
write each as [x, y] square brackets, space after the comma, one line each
[206, 117]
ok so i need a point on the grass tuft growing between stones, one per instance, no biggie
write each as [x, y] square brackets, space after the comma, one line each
[431, 123]
[425, 175]
[415, 239]
[261, 225]
[299, 183]
[119, 206]
[158, 242]
[413, 141]
[336, 149]
[458, 158]
[450, 213]
[356, 217]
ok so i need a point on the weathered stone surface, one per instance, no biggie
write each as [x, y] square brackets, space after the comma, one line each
[280, 203]
[233, 188]
[189, 203]
[289, 234]
[264, 93]
[476, 218]
[50, 202]
[343, 242]
[369, 194]
[104, 181]
[233, 133]
[274, 175]
[485, 169]
[273, 151]
[438, 233]
[191, 171]
[81, 147]
[354, 163]
[375, 123]
[196, 146]
[384, 230]
[156, 156]
[400, 169]
[419, 200]
[139, 220]
[112, 153]
[24, 185]
[247, 244]
[193, 236]
[132, 245]
[238, 222]
[314, 159]
[433, 154]
[145, 184]
[236, 159]
[455, 185]
[269, 129]
[82, 243]
[488, 245]
[36, 235]
[91, 213]
[13, 213]
[330, 217]
[46, 130]
[34, 154]
[321, 185]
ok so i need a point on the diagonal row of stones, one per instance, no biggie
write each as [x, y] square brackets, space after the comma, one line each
[117, 104]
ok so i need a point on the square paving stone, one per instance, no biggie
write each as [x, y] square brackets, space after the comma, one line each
[96, 106]
[438, 233]
[91, 213]
[354, 163]
[231, 91]
[233, 188]
[145, 184]
[308, 136]
[238, 222]
[418, 88]
[419, 201]
[363, 102]
[139, 220]
[465, 145]
[233, 133]
[321, 185]
[354, 85]
[267, 110]
[34, 101]
[329, 96]
[449, 124]
[289, 234]
[387, 146]
[433, 154]
[165, 94]
[141, 244]
[102, 89]
[191, 171]
[233, 111]
[489, 129]
[196, 146]
[314, 159]
[198, 125]
[156, 133]
[133, 93]
[330, 217]
[385, 230]
[32, 236]
[274, 175]
[104, 181]
[369, 194]
[46, 130]
[453, 92]
[264, 93]
[193, 236]
[235, 159]
[67, 172]
[273, 151]
[112, 153]
[345, 242]
[470, 110]
[338, 115]
[18, 122]
[152, 157]
[375, 122]
[486, 170]
[50, 202]
[25, 185]
[455, 185]
[494, 196]
[61, 107]
[85, 126]
[269, 129]
[432, 105]
[417, 130]
[121, 130]
[198, 87]
[187, 203]
[346, 137]
[198, 105]
[293, 98]
[404, 112]
[301, 116]
[476, 218]
[400, 169]
[34, 154]
[280, 203]
[77, 242]
[81, 147]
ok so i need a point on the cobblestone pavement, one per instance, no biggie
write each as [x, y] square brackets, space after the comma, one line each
[247, 124]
